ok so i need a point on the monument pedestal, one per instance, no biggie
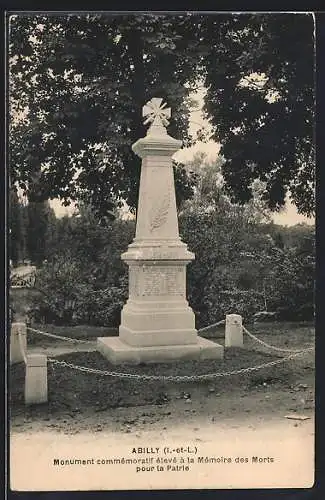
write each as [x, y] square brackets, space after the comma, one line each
[118, 352]
[157, 323]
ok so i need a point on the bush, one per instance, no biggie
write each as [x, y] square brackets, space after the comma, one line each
[217, 278]
[102, 307]
[84, 280]
[68, 298]
[238, 268]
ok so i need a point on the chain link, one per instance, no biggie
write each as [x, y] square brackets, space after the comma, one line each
[177, 378]
[80, 341]
[68, 339]
[280, 349]
[222, 322]
[59, 337]
[174, 378]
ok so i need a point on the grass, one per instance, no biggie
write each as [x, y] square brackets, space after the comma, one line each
[84, 332]
[285, 334]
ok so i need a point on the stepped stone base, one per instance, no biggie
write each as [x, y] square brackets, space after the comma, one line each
[118, 352]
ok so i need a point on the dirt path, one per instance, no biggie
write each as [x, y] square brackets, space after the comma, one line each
[222, 453]
[237, 425]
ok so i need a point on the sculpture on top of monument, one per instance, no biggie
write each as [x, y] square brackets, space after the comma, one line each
[157, 114]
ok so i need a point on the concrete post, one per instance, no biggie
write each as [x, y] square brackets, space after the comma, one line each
[16, 346]
[234, 331]
[36, 379]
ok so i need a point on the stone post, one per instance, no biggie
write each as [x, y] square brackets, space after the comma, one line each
[234, 331]
[36, 379]
[18, 348]
[157, 323]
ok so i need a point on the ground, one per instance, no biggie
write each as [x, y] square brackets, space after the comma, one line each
[79, 401]
[219, 422]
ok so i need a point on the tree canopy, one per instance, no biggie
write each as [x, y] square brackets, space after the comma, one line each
[83, 81]
[260, 98]
[78, 83]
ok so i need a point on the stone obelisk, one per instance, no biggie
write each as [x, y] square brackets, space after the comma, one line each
[157, 323]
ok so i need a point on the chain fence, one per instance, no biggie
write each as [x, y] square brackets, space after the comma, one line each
[58, 337]
[222, 322]
[176, 378]
[269, 346]
[76, 341]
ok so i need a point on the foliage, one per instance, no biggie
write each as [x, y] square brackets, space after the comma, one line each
[216, 279]
[81, 81]
[68, 295]
[260, 100]
[18, 227]
[63, 276]
[84, 279]
[31, 227]
[41, 222]
[289, 279]
[78, 83]
[239, 267]
[207, 182]
[209, 190]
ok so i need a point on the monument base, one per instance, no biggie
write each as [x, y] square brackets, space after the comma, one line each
[117, 352]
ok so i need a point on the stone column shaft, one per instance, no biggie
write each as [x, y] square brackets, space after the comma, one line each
[157, 215]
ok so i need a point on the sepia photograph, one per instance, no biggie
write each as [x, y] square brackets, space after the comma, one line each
[161, 250]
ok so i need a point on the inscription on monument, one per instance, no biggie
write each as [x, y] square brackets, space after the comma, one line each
[163, 280]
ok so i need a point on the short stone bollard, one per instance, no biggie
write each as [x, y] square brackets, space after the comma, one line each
[16, 345]
[234, 331]
[36, 379]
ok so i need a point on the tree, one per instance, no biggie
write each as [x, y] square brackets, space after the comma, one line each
[78, 83]
[41, 219]
[207, 182]
[15, 228]
[18, 228]
[288, 281]
[260, 100]
[209, 192]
